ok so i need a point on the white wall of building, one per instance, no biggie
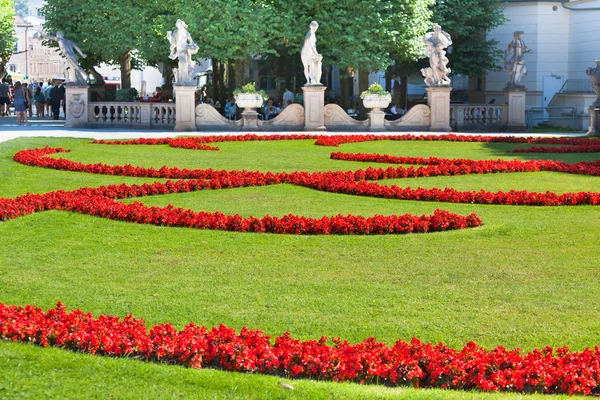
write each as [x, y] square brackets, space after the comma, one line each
[564, 44]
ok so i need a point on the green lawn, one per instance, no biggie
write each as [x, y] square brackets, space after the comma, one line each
[527, 278]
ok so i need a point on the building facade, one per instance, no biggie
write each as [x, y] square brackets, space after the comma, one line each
[564, 37]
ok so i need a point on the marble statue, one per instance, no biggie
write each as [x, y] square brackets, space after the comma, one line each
[182, 48]
[514, 60]
[594, 74]
[73, 72]
[436, 42]
[311, 59]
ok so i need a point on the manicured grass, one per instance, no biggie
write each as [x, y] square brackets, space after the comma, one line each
[527, 278]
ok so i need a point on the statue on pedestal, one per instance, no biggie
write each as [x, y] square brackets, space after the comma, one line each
[182, 48]
[311, 59]
[436, 42]
[73, 72]
[514, 60]
[594, 74]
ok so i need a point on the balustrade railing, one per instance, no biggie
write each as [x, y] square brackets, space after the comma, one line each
[138, 114]
[464, 116]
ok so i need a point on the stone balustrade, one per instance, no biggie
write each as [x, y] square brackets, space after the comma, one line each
[136, 114]
[478, 116]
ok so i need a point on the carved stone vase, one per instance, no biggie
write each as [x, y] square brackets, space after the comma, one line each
[376, 102]
[594, 74]
[249, 101]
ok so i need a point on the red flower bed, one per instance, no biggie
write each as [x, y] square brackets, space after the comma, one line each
[102, 202]
[199, 143]
[461, 166]
[572, 145]
[402, 364]
[354, 183]
[337, 140]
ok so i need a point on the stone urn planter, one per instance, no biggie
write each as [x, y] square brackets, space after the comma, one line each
[249, 101]
[376, 102]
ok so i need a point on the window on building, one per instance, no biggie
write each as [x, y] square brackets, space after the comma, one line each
[12, 67]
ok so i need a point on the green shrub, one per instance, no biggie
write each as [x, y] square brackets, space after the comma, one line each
[130, 94]
[375, 88]
[250, 88]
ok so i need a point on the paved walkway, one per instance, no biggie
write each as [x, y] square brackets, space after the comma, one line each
[38, 127]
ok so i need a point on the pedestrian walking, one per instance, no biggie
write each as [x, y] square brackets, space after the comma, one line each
[4, 98]
[40, 102]
[20, 103]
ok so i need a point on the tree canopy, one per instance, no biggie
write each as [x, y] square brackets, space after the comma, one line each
[468, 22]
[360, 34]
[107, 30]
[7, 33]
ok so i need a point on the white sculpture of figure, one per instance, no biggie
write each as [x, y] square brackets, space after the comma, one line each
[182, 48]
[514, 60]
[73, 72]
[311, 59]
[436, 42]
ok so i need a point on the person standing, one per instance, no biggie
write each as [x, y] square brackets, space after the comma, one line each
[56, 98]
[47, 90]
[4, 98]
[63, 93]
[19, 103]
[40, 102]
[28, 98]
[287, 95]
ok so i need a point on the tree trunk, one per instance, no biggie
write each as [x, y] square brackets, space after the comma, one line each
[2, 70]
[231, 83]
[388, 80]
[344, 89]
[125, 64]
[363, 84]
[403, 100]
[241, 72]
[222, 94]
[216, 86]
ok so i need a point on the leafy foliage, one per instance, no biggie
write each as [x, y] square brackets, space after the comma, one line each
[250, 88]
[360, 34]
[468, 22]
[7, 32]
[129, 94]
[375, 88]
[105, 30]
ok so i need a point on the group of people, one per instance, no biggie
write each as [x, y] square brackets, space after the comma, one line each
[23, 97]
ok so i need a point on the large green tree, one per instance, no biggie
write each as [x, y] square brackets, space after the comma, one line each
[7, 33]
[109, 30]
[468, 22]
[229, 30]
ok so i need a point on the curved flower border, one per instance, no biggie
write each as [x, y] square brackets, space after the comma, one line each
[415, 364]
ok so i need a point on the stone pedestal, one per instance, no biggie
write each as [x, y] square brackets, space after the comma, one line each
[249, 120]
[185, 108]
[377, 121]
[314, 107]
[77, 101]
[594, 112]
[516, 98]
[438, 99]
